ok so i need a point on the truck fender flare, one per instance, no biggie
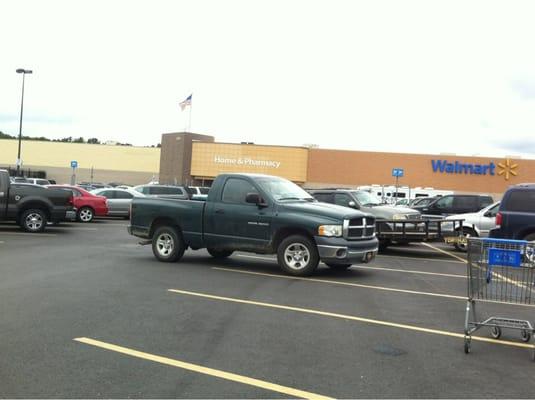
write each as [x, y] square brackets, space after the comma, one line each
[34, 202]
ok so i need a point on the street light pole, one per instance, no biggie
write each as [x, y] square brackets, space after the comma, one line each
[23, 72]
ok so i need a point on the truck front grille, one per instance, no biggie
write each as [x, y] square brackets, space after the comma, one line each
[359, 228]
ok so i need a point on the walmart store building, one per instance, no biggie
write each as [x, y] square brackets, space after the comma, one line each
[187, 158]
[198, 159]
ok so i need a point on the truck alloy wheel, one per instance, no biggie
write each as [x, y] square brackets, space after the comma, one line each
[167, 244]
[33, 220]
[85, 214]
[298, 255]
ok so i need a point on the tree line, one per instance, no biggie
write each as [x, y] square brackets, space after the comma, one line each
[69, 139]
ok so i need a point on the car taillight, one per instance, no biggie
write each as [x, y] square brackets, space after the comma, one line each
[499, 220]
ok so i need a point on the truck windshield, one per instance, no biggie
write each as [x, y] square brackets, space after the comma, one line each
[366, 199]
[281, 189]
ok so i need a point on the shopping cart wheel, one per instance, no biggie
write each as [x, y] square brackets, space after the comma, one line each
[525, 335]
[495, 332]
[468, 346]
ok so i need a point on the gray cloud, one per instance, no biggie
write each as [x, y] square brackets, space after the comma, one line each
[516, 145]
[525, 89]
[38, 119]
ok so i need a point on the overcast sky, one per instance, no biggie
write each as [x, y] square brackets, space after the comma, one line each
[408, 76]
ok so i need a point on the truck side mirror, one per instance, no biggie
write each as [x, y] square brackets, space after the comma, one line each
[254, 198]
[352, 204]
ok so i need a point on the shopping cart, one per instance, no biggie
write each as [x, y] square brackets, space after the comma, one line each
[501, 271]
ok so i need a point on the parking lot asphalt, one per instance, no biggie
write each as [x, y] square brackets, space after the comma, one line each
[88, 313]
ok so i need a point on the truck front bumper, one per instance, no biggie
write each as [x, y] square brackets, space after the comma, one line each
[336, 250]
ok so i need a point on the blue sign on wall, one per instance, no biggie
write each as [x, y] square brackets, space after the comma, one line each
[397, 172]
[74, 164]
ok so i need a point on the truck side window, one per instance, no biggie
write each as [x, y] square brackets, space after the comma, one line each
[342, 199]
[521, 200]
[445, 202]
[236, 190]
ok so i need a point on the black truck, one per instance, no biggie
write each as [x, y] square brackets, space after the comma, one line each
[261, 214]
[32, 206]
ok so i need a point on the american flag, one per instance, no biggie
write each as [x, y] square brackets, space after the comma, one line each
[186, 102]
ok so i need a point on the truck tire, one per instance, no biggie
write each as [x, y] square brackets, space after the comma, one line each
[219, 253]
[338, 267]
[33, 220]
[467, 232]
[383, 244]
[298, 255]
[85, 214]
[530, 237]
[167, 244]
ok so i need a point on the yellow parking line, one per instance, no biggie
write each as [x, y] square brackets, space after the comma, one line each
[499, 276]
[444, 252]
[353, 318]
[204, 370]
[449, 296]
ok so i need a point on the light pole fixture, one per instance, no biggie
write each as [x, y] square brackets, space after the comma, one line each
[23, 72]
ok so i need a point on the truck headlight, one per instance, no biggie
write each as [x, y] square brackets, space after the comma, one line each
[330, 230]
[399, 216]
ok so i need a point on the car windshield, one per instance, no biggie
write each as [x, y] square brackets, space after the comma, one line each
[366, 198]
[282, 189]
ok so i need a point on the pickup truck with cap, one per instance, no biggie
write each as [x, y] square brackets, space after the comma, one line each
[261, 214]
[32, 206]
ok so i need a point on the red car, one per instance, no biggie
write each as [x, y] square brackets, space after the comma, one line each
[87, 204]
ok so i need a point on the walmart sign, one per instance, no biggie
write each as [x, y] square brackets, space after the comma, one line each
[445, 166]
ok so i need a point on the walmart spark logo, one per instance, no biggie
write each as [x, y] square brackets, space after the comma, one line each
[507, 169]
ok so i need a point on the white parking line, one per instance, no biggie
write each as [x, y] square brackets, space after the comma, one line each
[35, 235]
[360, 266]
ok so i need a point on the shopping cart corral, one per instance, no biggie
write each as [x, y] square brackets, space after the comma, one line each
[418, 230]
[500, 271]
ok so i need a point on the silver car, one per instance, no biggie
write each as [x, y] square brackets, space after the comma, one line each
[118, 200]
[477, 224]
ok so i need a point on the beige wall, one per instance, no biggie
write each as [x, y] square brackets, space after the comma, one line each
[211, 159]
[98, 156]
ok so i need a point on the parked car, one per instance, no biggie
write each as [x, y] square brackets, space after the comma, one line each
[476, 224]
[516, 217]
[87, 204]
[119, 200]
[454, 204]
[422, 201]
[261, 214]
[38, 181]
[32, 206]
[167, 191]
[197, 190]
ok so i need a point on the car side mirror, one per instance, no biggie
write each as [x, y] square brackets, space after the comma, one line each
[352, 204]
[489, 214]
[254, 198]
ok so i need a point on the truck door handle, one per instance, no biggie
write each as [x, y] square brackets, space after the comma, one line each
[219, 211]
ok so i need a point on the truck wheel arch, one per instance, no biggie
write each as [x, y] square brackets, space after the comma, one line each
[283, 233]
[163, 222]
[33, 205]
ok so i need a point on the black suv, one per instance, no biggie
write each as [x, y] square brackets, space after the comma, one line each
[455, 204]
[516, 218]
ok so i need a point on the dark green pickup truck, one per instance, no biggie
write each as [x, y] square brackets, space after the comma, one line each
[261, 214]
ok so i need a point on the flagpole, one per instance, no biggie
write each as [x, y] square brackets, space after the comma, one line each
[190, 107]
